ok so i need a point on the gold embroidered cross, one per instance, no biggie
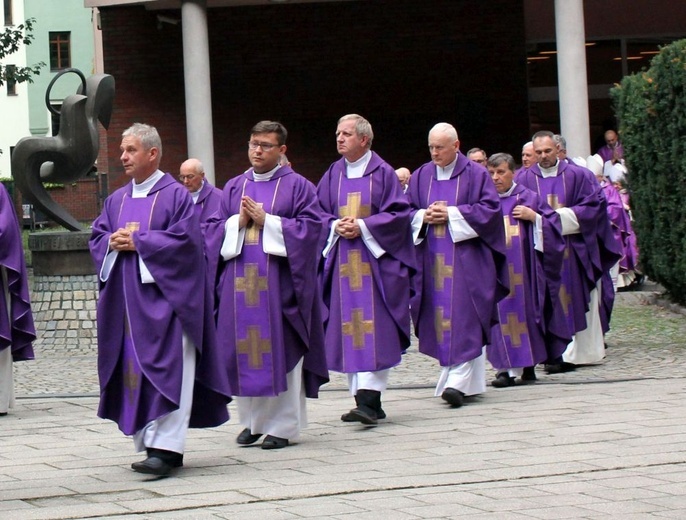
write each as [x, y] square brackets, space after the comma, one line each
[251, 284]
[357, 328]
[441, 271]
[441, 324]
[355, 269]
[131, 381]
[511, 230]
[254, 346]
[515, 278]
[354, 208]
[515, 329]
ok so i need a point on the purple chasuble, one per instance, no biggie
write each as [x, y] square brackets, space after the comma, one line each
[608, 153]
[458, 284]
[268, 309]
[140, 326]
[208, 202]
[366, 299]
[524, 328]
[17, 330]
[590, 253]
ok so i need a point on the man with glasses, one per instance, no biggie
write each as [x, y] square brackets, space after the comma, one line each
[478, 156]
[263, 245]
[368, 260]
[462, 273]
[205, 196]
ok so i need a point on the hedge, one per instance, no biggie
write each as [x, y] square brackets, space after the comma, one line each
[651, 109]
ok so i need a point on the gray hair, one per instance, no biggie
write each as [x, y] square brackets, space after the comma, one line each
[499, 158]
[530, 143]
[542, 134]
[475, 150]
[445, 128]
[362, 127]
[147, 134]
[560, 141]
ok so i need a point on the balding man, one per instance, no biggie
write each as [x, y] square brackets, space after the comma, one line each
[462, 274]
[404, 175]
[478, 156]
[612, 150]
[205, 196]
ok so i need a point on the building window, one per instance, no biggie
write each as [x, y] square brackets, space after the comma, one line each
[8, 12]
[60, 50]
[10, 80]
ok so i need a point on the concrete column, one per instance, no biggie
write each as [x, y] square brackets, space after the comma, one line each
[196, 66]
[571, 76]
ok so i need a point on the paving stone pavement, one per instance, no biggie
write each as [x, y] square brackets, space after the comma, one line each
[602, 442]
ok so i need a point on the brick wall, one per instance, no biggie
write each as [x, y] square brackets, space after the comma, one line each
[403, 64]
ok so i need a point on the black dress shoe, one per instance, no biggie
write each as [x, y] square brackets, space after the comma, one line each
[529, 375]
[503, 380]
[246, 437]
[453, 397]
[360, 415]
[271, 442]
[560, 368]
[153, 466]
[2, 414]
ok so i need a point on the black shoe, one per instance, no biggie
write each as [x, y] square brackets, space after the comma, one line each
[560, 368]
[2, 414]
[274, 443]
[453, 397]
[360, 415]
[380, 414]
[246, 437]
[155, 465]
[503, 380]
[529, 375]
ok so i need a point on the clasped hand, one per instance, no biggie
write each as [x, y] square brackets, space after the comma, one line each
[348, 228]
[122, 240]
[251, 210]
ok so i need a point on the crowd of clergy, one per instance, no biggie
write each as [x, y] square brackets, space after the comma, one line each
[255, 292]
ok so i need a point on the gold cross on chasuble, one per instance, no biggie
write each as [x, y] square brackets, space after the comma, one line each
[355, 269]
[254, 346]
[565, 298]
[251, 284]
[516, 280]
[357, 328]
[511, 230]
[441, 271]
[514, 328]
[354, 208]
[440, 229]
[252, 231]
[554, 201]
[441, 324]
[133, 226]
[131, 380]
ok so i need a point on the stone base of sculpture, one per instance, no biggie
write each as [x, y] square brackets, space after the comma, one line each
[61, 253]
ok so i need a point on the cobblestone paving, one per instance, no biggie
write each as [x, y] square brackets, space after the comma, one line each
[646, 341]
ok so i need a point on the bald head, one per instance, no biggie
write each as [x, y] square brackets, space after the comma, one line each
[191, 174]
[528, 156]
[611, 138]
[403, 176]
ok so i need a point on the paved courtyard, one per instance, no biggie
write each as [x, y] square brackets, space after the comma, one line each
[603, 442]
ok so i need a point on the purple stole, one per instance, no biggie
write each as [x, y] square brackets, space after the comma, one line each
[360, 323]
[516, 341]
[554, 191]
[259, 368]
[139, 397]
[442, 264]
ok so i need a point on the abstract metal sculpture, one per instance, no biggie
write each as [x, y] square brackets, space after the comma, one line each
[70, 154]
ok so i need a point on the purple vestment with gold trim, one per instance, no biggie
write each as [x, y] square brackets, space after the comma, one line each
[366, 298]
[269, 307]
[140, 325]
[458, 284]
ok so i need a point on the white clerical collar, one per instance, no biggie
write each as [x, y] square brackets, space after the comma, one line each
[508, 192]
[264, 177]
[444, 173]
[355, 170]
[196, 194]
[549, 172]
[142, 189]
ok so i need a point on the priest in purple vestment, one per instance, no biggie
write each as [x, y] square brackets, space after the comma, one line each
[573, 192]
[462, 273]
[205, 196]
[612, 150]
[263, 245]
[366, 267]
[17, 331]
[160, 370]
[531, 325]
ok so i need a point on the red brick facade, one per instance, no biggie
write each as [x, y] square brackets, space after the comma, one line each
[404, 65]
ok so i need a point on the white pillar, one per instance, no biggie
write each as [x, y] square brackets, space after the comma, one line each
[196, 71]
[571, 76]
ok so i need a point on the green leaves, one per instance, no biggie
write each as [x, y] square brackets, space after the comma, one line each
[651, 108]
[11, 40]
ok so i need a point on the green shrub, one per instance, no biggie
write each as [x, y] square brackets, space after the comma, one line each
[651, 109]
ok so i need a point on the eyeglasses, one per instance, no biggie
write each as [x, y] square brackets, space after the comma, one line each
[266, 147]
[187, 177]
